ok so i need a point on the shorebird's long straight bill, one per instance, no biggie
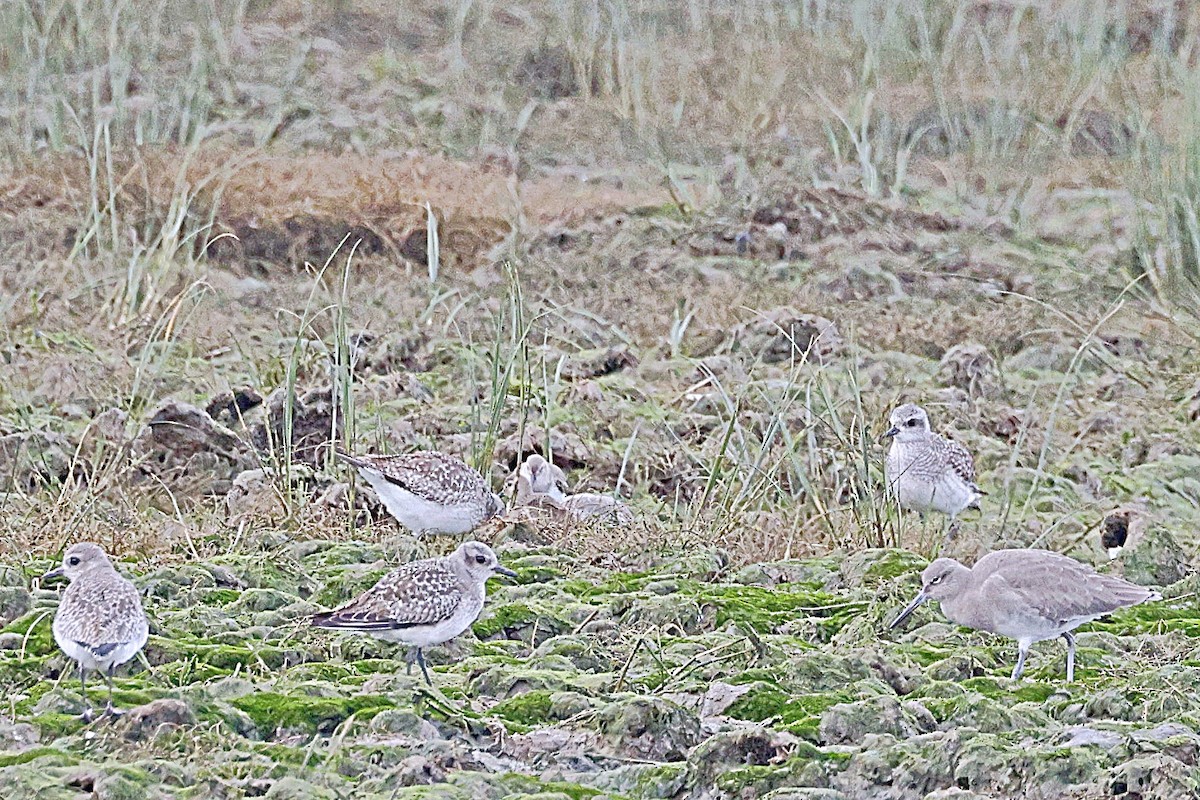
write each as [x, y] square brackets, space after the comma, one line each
[908, 609]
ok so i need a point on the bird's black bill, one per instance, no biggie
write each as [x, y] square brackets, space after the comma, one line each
[892, 431]
[52, 574]
[505, 571]
[908, 609]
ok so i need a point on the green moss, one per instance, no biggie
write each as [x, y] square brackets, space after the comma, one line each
[753, 676]
[735, 781]
[1153, 618]
[892, 564]
[347, 584]
[516, 784]
[262, 570]
[926, 653]
[1025, 692]
[653, 780]
[36, 628]
[225, 657]
[219, 597]
[765, 610]
[943, 708]
[800, 714]
[617, 583]
[59, 757]
[271, 711]
[528, 710]
[509, 615]
[763, 778]
[53, 726]
[290, 756]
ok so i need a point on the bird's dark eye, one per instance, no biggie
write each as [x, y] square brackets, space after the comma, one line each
[73, 561]
[934, 580]
[911, 423]
[480, 559]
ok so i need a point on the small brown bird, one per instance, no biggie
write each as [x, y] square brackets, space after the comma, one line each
[100, 622]
[422, 603]
[428, 491]
[543, 485]
[925, 471]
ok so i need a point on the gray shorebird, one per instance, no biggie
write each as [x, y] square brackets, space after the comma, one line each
[543, 485]
[925, 471]
[538, 478]
[1027, 595]
[428, 491]
[422, 603]
[100, 622]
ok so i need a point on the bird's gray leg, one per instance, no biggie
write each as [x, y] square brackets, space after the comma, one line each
[424, 671]
[1020, 667]
[952, 529]
[87, 707]
[109, 711]
[410, 655]
[1070, 637]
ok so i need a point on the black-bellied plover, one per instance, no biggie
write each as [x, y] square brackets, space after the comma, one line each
[100, 622]
[428, 491]
[1027, 595]
[543, 485]
[537, 477]
[925, 471]
[422, 603]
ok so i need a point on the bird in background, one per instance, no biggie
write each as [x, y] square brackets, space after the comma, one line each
[100, 622]
[429, 491]
[1027, 595]
[542, 484]
[423, 603]
[925, 471]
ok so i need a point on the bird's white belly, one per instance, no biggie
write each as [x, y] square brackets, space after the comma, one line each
[424, 516]
[947, 493]
[1040, 629]
[90, 660]
[444, 631]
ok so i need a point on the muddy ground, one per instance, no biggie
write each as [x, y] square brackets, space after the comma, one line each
[701, 304]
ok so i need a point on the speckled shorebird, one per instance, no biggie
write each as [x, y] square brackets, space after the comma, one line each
[925, 471]
[428, 491]
[1027, 595]
[100, 622]
[537, 477]
[542, 484]
[423, 603]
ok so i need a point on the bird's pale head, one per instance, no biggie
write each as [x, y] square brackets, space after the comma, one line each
[81, 559]
[909, 423]
[542, 477]
[944, 578]
[478, 561]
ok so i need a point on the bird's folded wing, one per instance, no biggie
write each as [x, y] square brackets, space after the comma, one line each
[109, 614]
[404, 598]
[598, 506]
[959, 460]
[426, 474]
[1064, 589]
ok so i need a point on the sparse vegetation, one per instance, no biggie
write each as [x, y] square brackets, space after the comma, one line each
[692, 251]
